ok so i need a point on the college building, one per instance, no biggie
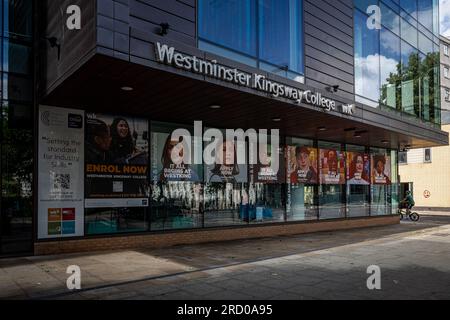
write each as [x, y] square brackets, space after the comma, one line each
[426, 172]
[150, 123]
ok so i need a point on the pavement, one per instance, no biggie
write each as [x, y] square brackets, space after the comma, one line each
[414, 260]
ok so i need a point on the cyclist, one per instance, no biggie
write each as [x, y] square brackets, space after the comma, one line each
[409, 202]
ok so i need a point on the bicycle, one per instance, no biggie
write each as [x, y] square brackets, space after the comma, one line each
[413, 216]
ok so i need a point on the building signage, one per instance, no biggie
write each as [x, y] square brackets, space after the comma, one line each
[60, 162]
[116, 161]
[211, 68]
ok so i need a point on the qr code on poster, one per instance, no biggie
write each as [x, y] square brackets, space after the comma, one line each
[60, 181]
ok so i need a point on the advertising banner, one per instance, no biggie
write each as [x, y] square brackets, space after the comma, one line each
[227, 169]
[302, 165]
[163, 168]
[61, 168]
[116, 161]
[332, 167]
[263, 171]
[358, 168]
[381, 169]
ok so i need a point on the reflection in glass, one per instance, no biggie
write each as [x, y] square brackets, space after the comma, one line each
[410, 59]
[331, 202]
[367, 59]
[115, 220]
[231, 24]
[409, 33]
[281, 33]
[358, 199]
[410, 6]
[266, 34]
[426, 13]
[266, 203]
[227, 204]
[176, 205]
[381, 195]
[395, 197]
[389, 69]
[390, 19]
[302, 203]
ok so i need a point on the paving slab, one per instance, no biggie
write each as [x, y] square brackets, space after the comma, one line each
[414, 259]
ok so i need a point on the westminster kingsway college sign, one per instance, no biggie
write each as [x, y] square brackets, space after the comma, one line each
[211, 68]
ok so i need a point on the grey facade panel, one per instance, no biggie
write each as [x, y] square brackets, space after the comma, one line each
[75, 46]
[329, 45]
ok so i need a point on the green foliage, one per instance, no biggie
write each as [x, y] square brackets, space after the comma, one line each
[424, 74]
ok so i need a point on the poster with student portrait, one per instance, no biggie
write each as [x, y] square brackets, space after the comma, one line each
[116, 161]
[266, 171]
[358, 168]
[165, 150]
[302, 165]
[61, 167]
[332, 166]
[381, 169]
[226, 168]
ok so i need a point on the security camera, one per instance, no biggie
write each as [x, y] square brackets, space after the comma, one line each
[334, 88]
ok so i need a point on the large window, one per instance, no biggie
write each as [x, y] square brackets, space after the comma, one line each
[303, 180]
[358, 181]
[332, 181]
[176, 189]
[381, 175]
[267, 34]
[395, 63]
[16, 121]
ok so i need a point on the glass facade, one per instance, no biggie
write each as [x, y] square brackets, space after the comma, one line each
[317, 180]
[16, 116]
[396, 67]
[267, 34]
[397, 56]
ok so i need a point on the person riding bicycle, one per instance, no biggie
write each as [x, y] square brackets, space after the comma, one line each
[409, 201]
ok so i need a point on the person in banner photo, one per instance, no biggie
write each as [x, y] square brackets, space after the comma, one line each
[358, 166]
[381, 169]
[116, 157]
[332, 167]
[304, 166]
[171, 171]
[123, 145]
[98, 142]
[226, 169]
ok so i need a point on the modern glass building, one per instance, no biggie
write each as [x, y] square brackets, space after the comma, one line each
[16, 137]
[111, 108]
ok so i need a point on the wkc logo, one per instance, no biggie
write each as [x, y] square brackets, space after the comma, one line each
[75, 121]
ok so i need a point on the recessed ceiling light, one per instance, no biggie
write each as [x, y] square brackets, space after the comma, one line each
[358, 134]
[215, 107]
[322, 129]
[127, 89]
[385, 141]
[276, 119]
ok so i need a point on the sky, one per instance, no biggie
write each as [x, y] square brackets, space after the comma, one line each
[444, 9]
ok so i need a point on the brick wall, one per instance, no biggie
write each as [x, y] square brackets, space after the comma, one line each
[202, 236]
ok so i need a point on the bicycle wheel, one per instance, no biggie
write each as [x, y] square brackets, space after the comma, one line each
[414, 217]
